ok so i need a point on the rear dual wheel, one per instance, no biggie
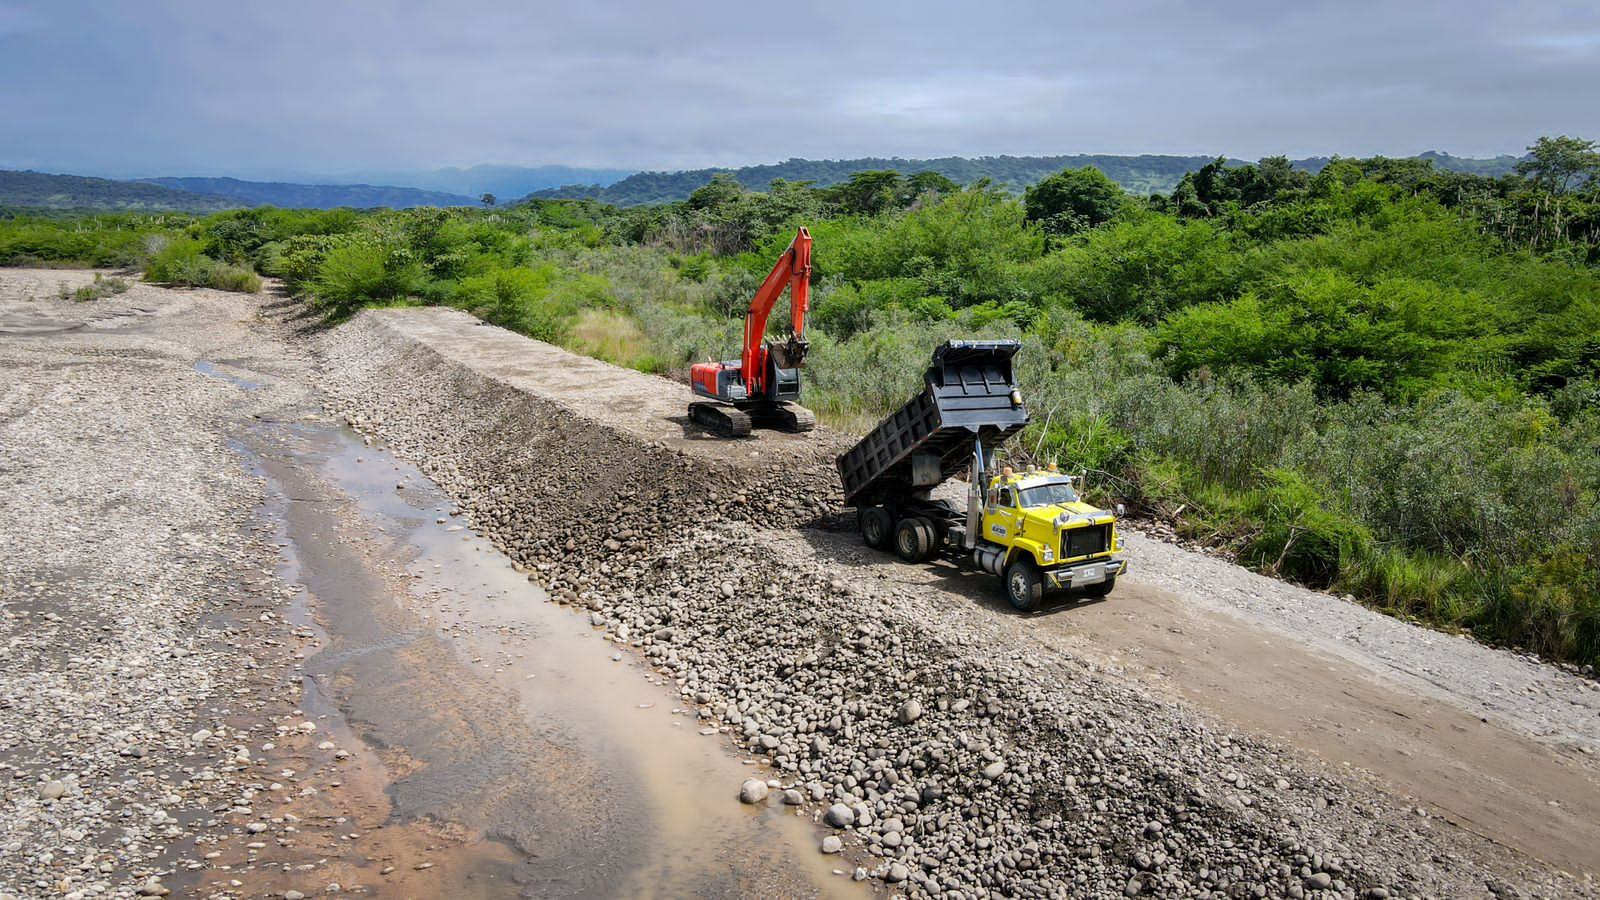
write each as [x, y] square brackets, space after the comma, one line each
[877, 528]
[914, 539]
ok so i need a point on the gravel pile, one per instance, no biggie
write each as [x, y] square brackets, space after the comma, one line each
[949, 756]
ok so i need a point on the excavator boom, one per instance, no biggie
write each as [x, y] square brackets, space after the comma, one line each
[792, 271]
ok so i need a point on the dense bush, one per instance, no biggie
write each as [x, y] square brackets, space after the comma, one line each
[182, 261]
[518, 299]
[102, 241]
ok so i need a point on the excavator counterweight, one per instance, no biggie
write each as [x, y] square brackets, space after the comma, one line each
[761, 387]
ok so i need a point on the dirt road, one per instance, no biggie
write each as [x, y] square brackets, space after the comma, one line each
[377, 696]
[1540, 795]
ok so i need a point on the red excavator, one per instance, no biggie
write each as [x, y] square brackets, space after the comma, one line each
[761, 386]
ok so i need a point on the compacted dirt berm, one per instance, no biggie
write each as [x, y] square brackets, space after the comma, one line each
[1030, 528]
[761, 387]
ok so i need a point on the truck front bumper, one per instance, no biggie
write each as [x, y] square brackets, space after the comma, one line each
[1081, 574]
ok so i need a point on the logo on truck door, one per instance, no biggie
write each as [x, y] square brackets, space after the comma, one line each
[998, 529]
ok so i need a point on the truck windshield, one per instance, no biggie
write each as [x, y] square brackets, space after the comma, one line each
[1054, 494]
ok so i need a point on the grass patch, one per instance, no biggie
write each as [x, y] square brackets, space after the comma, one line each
[611, 336]
[98, 289]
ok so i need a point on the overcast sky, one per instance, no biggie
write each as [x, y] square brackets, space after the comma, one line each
[156, 87]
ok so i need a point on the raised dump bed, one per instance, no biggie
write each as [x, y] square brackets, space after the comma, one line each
[969, 394]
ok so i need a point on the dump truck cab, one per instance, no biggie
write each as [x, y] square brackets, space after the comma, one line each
[1040, 535]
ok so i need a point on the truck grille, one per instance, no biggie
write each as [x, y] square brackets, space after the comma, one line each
[1085, 541]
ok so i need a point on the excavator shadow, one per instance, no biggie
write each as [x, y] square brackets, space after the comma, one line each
[696, 432]
[837, 543]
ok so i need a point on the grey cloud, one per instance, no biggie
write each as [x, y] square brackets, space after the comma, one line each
[169, 86]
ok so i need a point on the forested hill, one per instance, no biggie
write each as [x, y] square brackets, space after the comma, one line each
[1136, 174]
[315, 196]
[39, 190]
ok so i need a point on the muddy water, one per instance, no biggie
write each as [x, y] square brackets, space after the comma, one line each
[213, 370]
[503, 719]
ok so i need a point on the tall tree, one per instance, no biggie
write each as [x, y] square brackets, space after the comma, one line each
[928, 182]
[1557, 165]
[721, 192]
[869, 193]
[1073, 199]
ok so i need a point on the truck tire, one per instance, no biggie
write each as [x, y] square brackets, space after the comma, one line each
[1103, 588]
[877, 529]
[1024, 585]
[913, 539]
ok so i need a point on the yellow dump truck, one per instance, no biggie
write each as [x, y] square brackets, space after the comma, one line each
[1031, 528]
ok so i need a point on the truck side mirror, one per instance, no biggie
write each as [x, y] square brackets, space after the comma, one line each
[1121, 510]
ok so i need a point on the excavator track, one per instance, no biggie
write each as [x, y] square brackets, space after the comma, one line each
[721, 419]
[788, 417]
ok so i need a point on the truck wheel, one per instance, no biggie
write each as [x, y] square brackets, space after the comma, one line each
[1024, 585]
[913, 539]
[877, 529]
[1103, 588]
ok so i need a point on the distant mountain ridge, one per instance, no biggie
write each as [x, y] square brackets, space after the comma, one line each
[41, 190]
[314, 196]
[506, 182]
[1137, 174]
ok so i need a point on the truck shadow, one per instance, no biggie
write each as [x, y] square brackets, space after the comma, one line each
[835, 540]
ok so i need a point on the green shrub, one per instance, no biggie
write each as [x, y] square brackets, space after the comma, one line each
[229, 277]
[1082, 442]
[181, 261]
[100, 288]
[695, 268]
[298, 259]
[1417, 583]
[354, 275]
[518, 299]
[1137, 269]
[101, 241]
[1300, 536]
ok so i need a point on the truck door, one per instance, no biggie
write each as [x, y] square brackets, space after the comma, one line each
[1000, 515]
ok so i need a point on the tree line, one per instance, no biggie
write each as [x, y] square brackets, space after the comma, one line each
[1381, 378]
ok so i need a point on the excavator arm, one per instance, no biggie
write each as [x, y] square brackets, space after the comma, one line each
[792, 271]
